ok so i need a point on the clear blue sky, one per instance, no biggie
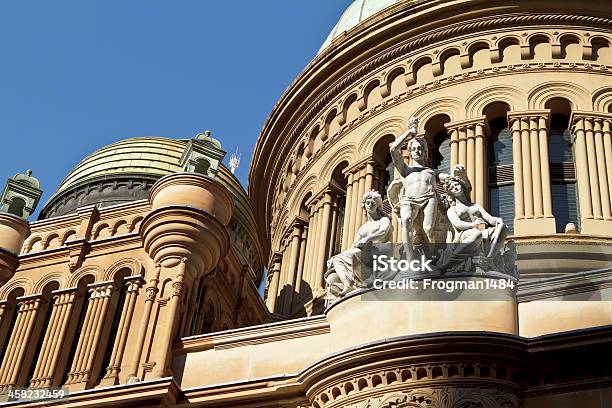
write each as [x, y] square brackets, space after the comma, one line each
[78, 75]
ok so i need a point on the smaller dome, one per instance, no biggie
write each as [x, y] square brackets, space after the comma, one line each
[120, 172]
[356, 12]
[206, 137]
[27, 179]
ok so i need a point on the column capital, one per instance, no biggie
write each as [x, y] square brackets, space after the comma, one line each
[465, 123]
[526, 115]
[276, 257]
[362, 164]
[578, 115]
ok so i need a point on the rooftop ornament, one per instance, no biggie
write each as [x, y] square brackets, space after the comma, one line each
[21, 195]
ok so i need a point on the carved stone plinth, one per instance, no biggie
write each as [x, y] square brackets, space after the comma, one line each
[440, 370]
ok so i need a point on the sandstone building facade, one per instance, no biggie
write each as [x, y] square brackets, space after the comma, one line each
[138, 284]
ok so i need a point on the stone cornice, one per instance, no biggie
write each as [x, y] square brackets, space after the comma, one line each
[566, 285]
[265, 333]
[418, 41]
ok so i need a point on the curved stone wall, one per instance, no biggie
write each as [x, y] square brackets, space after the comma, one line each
[469, 71]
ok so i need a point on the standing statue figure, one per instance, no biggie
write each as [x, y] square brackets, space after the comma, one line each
[476, 232]
[345, 270]
[413, 191]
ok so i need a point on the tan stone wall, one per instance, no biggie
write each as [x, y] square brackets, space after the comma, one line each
[451, 68]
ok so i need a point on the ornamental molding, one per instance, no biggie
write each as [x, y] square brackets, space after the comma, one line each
[425, 39]
[443, 397]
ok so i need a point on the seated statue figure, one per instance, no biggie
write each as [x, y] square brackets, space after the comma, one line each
[476, 232]
[345, 270]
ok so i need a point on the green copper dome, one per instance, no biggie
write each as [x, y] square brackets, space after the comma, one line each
[117, 173]
[155, 156]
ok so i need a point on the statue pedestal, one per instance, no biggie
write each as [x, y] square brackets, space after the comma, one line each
[422, 345]
[484, 303]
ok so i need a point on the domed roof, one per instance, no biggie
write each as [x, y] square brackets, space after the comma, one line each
[156, 156]
[356, 12]
[120, 172]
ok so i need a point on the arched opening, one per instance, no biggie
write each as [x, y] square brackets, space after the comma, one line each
[540, 48]
[450, 62]
[439, 142]
[202, 166]
[480, 56]
[510, 51]
[500, 165]
[570, 48]
[17, 206]
[384, 167]
[562, 165]
[339, 184]
[601, 51]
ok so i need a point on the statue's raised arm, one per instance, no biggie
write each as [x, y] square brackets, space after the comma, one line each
[395, 148]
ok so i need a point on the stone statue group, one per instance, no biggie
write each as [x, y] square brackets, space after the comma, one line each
[459, 236]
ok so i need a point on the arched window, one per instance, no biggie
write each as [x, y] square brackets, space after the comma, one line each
[16, 206]
[562, 167]
[500, 172]
[202, 166]
[339, 182]
[382, 157]
[439, 139]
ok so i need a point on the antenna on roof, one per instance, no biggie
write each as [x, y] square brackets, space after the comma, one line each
[234, 161]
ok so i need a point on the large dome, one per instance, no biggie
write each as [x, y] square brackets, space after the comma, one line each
[358, 11]
[120, 172]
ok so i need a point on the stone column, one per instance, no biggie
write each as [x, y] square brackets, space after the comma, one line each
[312, 243]
[593, 157]
[534, 143]
[544, 166]
[87, 347]
[602, 174]
[582, 169]
[55, 338]
[527, 174]
[171, 321]
[532, 186]
[592, 164]
[468, 148]
[355, 208]
[111, 376]
[274, 282]
[323, 238]
[282, 292]
[454, 146]
[517, 159]
[607, 143]
[300, 268]
[151, 294]
[294, 254]
[347, 214]
[28, 307]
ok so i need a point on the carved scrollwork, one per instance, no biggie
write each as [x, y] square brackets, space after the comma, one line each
[445, 397]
